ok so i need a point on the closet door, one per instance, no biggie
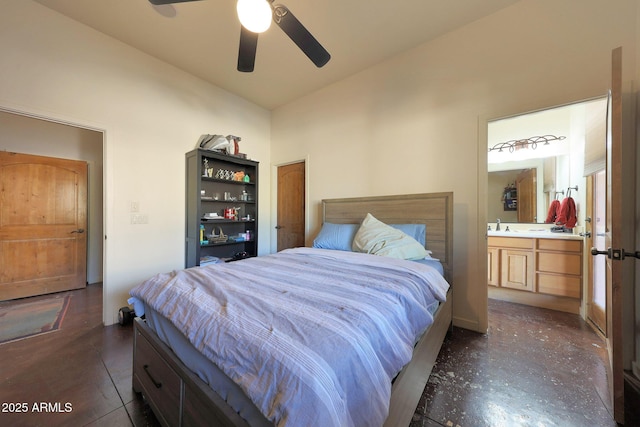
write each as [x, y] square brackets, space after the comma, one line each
[291, 206]
[43, 221]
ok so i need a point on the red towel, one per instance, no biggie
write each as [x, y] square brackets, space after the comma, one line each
[554, 209]
[567, 214]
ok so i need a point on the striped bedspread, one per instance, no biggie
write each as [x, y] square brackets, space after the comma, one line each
[313, 337]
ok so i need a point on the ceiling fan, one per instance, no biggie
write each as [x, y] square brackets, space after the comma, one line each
[283, 17]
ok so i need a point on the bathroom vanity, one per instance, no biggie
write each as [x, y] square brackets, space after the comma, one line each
[536, 268]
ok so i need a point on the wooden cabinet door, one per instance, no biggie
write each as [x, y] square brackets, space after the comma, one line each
[43, 218]
[494, 267]
[517, 269]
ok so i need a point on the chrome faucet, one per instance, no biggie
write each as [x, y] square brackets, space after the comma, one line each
[498, 224]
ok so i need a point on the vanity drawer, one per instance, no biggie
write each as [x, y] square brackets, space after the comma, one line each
[556, 284]
[560, 263]
[560, 245]
[511, 242]
[158, 380]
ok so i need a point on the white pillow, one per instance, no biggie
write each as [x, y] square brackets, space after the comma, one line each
[376, 237]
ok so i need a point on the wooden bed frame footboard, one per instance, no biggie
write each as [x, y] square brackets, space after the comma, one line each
[178, 397]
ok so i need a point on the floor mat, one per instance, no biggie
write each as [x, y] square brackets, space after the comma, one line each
[28, 318]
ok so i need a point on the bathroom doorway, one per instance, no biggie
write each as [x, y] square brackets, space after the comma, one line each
[532, 265]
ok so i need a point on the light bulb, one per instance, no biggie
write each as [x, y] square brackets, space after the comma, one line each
[254, 15]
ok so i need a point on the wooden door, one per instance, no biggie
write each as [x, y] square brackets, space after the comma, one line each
[43, 218]
[291, 206]
[614, 237]
[526, 183]
[597, 266]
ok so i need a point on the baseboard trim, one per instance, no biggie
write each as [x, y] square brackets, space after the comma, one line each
[568, 305]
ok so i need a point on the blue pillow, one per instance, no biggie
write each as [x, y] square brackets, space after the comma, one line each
[417, 231]
[336, 236]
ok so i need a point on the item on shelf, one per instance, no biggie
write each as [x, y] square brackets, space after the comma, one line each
[232, 213]
[215, 143]
[238, 176]
[220, 238]
[238, 256]
[208, 259]
[235, 142]
[246, 178]
[225, 174]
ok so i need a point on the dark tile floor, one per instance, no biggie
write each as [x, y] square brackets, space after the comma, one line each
[535, 367]
[83, 364]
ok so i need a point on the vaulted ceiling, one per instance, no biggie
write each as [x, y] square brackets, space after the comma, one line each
[202, 37]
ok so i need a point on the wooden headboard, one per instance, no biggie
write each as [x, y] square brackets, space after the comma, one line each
[435, 210]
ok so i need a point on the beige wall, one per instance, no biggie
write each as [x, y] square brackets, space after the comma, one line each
[417, 123]
[151, 114]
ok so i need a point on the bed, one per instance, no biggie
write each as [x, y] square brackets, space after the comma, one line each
[176, 378]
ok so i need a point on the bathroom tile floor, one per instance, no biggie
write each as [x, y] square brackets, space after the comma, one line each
[534, 367]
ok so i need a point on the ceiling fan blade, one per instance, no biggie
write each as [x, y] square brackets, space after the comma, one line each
[300, 35]
[247, 51]
[162, 2]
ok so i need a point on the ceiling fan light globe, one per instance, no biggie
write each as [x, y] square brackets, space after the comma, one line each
[254, 15]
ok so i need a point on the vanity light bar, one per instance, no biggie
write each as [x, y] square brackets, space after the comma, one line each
[518, 144]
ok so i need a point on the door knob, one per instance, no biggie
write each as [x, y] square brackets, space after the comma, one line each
[79, 231]
[278, 227]
[595, 251]
[625, 254]
[616, 254]
[588, 234]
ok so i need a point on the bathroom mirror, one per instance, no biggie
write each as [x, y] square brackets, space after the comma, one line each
[551, 169]
[521, 191]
